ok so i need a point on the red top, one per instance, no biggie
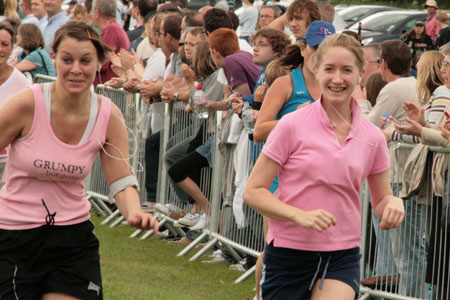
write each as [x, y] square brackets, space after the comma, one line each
[114, 36]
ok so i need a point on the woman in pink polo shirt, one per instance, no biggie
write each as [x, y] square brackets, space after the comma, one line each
[48, 249]
[322, 154]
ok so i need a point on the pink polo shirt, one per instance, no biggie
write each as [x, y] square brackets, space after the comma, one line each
[319, 172]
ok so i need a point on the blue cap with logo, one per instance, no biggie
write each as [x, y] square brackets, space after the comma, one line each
[317, 32]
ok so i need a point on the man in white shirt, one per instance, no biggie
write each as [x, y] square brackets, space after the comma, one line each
[248, 20]
[38, 10]
[29, 18]
[56, 18]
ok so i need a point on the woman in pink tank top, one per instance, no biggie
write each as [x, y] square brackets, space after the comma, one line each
[47, 246]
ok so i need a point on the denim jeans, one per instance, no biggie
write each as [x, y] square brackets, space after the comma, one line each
[409, 249]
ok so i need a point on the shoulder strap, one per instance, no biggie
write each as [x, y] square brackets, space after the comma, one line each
[43, 62]
[47, 91]
[92, 119]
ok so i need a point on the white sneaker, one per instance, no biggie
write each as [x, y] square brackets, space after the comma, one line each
[202, 223]
[240, 266]
[215, 260]
[188, 220]
[216, 253]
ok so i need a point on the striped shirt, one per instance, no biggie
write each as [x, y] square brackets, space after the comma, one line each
[434, 109]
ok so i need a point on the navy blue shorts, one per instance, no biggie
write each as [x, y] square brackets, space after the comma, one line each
[50, 259]
[291, 274]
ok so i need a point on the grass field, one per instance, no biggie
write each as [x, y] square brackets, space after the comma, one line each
[150, 270]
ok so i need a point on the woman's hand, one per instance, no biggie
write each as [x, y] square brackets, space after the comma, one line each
[168, 92]
[210, 105]
[188, 108]
[127, 59]
[188, 74]
[259, 93]
[119, 71]
[131, 85]
[319, 219]
[415, 113]
[115, 60]
[115, 82]
[393, 214]
[413, 129]
[384, 120]
[445, 130]
[237, 104]
[142, 220]
[388, 133]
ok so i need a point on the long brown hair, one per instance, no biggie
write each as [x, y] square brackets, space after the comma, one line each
[203, 63]
[429, 74]
[31, 37]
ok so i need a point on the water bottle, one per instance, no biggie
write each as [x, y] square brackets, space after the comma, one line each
[247, 116]
[388, 121]
[430, 292]
[200, 102]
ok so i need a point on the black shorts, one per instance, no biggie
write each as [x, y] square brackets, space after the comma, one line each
[50, 259]
[290, 274]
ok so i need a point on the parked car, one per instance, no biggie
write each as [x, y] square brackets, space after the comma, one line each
[387, 25]
[355, 13]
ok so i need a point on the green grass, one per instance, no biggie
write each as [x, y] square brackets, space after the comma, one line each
[150, 270]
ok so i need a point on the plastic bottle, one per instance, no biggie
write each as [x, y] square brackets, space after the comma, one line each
[247, 116]
[430, 292]
[200, 102]
[388, 121]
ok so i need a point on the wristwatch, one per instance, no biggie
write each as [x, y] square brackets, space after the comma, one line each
[175, 96]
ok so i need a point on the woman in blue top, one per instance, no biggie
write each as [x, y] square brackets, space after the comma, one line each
[288, 92]
[33, 59]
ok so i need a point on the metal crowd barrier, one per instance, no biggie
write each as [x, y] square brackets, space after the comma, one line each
[41, 78]
[412, 261]
[243, 240]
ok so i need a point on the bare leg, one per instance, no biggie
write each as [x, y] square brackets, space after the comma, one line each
[192, 189]
[56, 296]
[332, 289]
[259, 262]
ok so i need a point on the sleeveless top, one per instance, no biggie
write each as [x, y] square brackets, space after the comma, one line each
[45, 175]
[299, 96]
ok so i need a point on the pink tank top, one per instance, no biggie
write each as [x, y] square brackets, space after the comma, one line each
[40, 166]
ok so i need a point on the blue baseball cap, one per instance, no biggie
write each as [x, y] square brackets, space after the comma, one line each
[317, 32]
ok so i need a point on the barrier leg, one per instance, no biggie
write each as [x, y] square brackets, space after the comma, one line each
[136, 233]
[117, 222]
[233, 252]
[97, 207]
[193, 244]
[111, 217]
[151, 232]
[246, 275]
[102, 204]
[204, 249]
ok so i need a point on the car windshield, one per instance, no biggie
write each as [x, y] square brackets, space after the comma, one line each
[355, 14]
[383, 23]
